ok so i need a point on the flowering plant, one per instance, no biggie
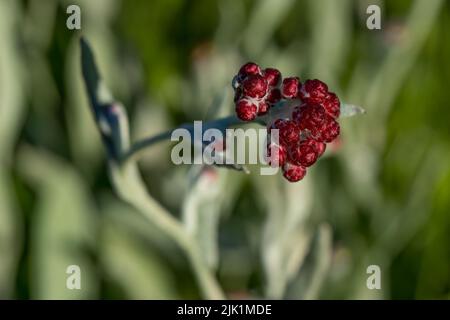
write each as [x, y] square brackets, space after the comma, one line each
[304, 116]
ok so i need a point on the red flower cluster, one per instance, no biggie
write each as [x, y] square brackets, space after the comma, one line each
[255, 90]
[312, 122]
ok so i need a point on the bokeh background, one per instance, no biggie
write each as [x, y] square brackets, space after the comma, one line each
[379, 197]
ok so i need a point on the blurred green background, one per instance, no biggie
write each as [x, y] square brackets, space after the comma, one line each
[379, 197]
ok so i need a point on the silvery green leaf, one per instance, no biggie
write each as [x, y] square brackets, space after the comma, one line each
[12, 112]
[309, 281]
[135, 267]
[111, 116]
[61, 234]
[201, 211]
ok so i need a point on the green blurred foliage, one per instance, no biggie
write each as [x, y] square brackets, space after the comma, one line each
[379, 197]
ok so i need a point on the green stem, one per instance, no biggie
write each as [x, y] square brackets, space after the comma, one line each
[136, 149]
[129, 185]
[112, 123]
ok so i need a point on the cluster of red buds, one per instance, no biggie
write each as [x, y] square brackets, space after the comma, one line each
[304, 130]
